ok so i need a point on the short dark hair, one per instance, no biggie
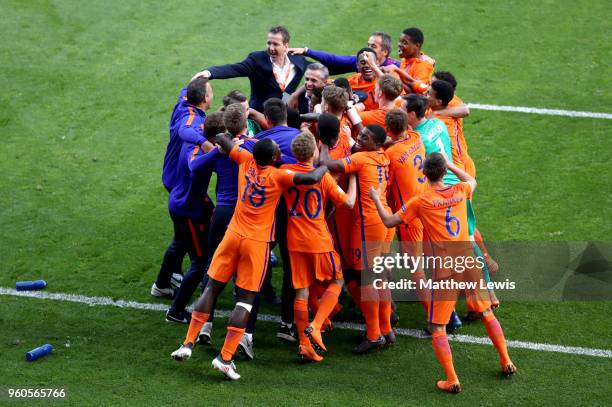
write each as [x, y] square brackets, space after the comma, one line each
[263, 151]
[434, 167]
[196, 90]
[390, 86]
[234, 118]
[380, 136]
[396, 121]
[275, 111]
[235, 96]
[444, 91]
[335, 97]
[417, 104]
[213, 125]
[343, 83]
[293, 118]
[387, 44]
[281, 30]
[329, 128]
[365, 49]
[446, 76]
[415, 35]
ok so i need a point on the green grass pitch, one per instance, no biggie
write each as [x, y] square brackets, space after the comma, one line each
[87, 90]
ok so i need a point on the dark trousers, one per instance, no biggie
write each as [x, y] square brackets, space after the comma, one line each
[280, 236]
[193, 235]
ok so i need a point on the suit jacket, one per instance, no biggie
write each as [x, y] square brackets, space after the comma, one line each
[258, 68]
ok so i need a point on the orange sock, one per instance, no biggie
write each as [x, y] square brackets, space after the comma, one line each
[369, 308]
[443, 352]
[424, 294]
[326, 306]
[480, 242]
[353, 288]
[232, 339]
[300, 313]
[197, 320]
[313, 302]
[496, 334]
[384, 311]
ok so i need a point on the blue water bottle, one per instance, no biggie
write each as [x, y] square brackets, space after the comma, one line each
[30, 285]
[39, 352]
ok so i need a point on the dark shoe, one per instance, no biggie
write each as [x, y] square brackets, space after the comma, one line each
[286, 333]
[454, 323]
[183, 317]
[366, 345]
[390, 339]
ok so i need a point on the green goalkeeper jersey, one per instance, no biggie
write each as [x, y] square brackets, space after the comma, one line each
[435, 138]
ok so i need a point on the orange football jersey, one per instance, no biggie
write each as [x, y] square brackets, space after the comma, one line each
[406, 179]
[455, 132]
[306, 227]
[418, 69]
[372, 170]
[358, 83]
[443, 212]
[259, 190]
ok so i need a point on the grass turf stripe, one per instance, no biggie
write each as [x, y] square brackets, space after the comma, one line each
[415, 333]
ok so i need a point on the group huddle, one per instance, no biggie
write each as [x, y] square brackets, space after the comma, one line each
[332, 172]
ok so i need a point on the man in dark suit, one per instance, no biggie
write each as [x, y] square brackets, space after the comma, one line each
[273, 73]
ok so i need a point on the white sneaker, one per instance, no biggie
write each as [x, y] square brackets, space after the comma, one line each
[227, 368]
[182, 353]
[161, 292]
[176, 280]
[204, 338]
[246, 346]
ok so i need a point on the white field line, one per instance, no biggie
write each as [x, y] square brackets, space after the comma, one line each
[541, 111]
[415, 333]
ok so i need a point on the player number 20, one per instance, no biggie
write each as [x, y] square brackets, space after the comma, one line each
[309, 192]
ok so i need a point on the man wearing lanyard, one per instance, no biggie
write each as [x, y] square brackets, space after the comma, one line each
[272, 73]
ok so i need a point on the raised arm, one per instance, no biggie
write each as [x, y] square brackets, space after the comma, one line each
[293, 101]
[326, 160]
[311, 177]
[337, 64]
[462, 175]
[390, 220]
[224, 142]
[459, 112]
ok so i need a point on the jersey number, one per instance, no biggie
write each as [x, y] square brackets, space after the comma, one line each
[257, 196]
[450, 221]
[418, 162]
[307, 194]
[382, 171]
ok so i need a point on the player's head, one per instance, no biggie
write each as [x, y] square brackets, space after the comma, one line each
[329, 128]
[388, 87]
[434, 167]
[275, 111]
[199, 93]
[416, 106]
[315, 77]
[445, 76]
[344, 84]
[266, 152]
[304, 147]
[235, 119]
[396, 122]
[362, 66]
[410, 43]
[439, 94]
[381, 43]
[213, 125]
[278, 41]
[235, 96]
[334, 100]
[371, 137]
